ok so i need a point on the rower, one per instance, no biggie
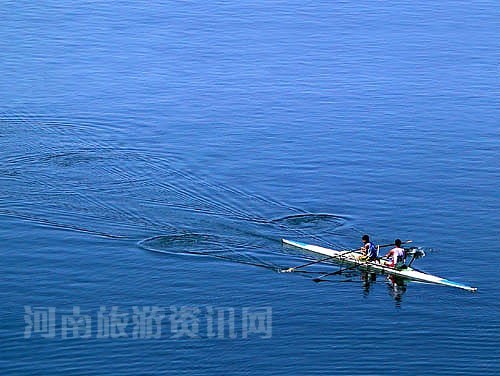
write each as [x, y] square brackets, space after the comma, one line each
[368, 250]
[397, 255]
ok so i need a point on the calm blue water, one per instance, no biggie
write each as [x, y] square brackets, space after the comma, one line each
[153, 155]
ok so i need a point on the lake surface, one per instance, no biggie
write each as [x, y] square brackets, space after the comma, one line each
[153, 156]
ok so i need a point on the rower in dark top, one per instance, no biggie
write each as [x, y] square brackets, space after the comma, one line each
[369, 250]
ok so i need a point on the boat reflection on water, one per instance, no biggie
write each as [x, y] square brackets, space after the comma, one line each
[368, 279]
[396, 286]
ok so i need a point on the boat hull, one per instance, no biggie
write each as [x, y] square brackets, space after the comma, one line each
[351, 258]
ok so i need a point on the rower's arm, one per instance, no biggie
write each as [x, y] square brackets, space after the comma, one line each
[390, 253]
[363, 249]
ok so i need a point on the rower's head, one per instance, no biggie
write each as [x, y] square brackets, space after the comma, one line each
[365, 239]
[397, 242]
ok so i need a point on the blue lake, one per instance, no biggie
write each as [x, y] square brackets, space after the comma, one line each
[153, 156]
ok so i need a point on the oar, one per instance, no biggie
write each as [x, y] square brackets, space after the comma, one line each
[289, 270]
[340, 271]
[388, 245]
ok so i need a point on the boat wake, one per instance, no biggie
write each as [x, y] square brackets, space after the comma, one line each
[216, 246]
[83, 175]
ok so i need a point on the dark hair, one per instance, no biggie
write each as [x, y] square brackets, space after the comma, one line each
[366, 237]
[397, 242]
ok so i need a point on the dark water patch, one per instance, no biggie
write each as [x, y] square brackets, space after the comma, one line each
[326, 229]
[226, 248]
[73, 158]
[320, 224]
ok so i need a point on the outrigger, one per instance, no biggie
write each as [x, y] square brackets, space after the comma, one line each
[351, 258]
